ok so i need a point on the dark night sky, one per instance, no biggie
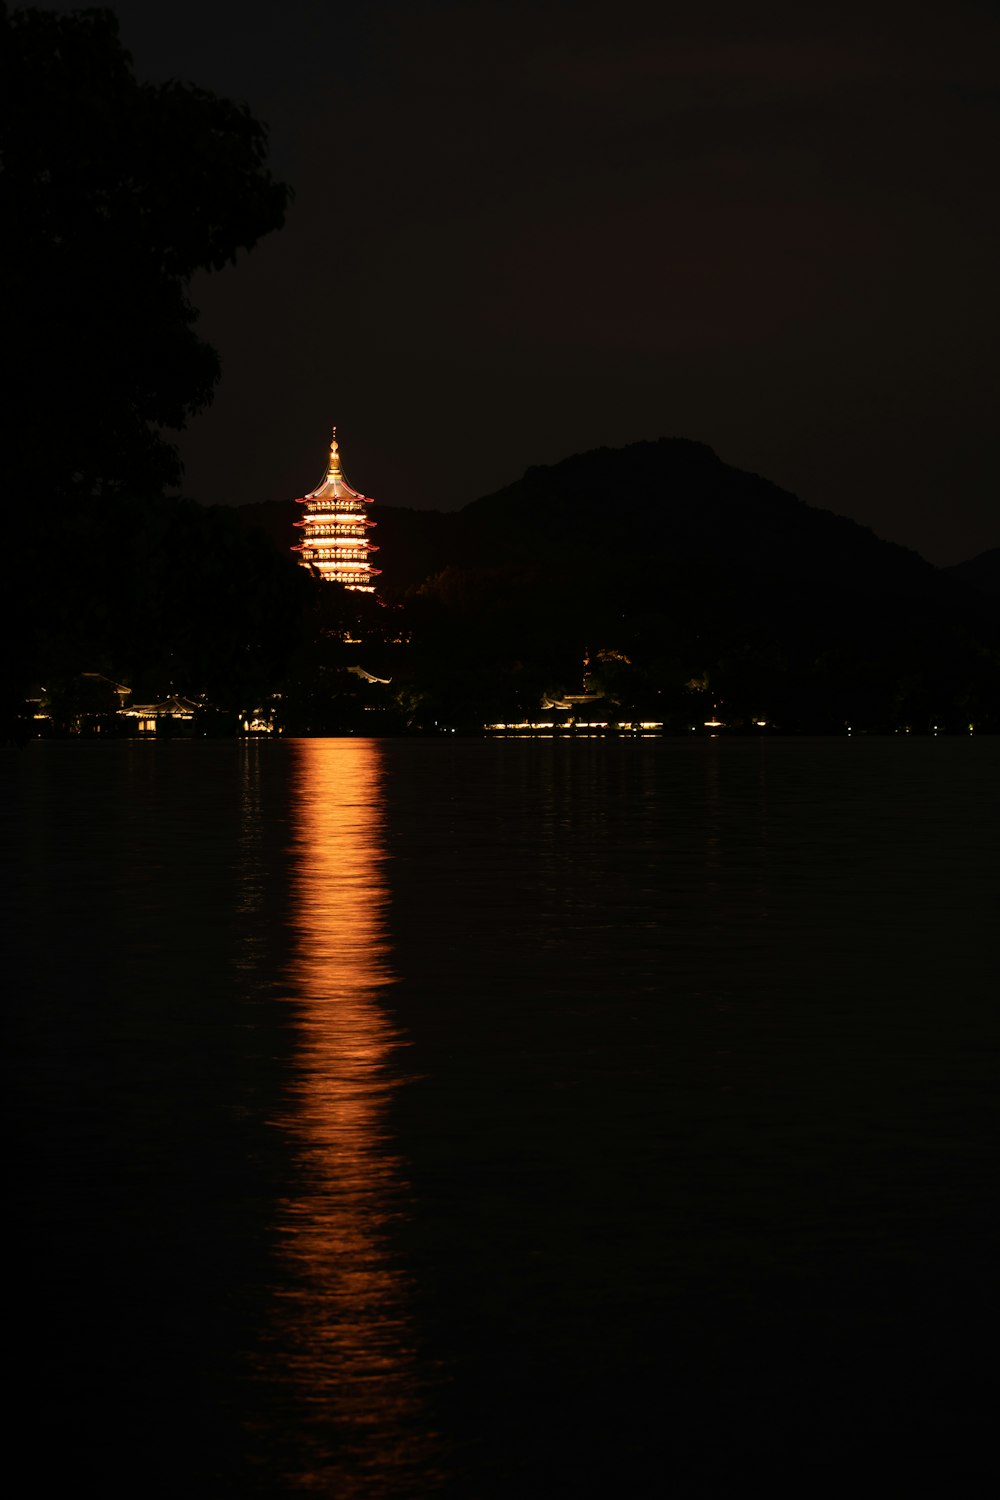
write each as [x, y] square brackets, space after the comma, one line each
[523, 230]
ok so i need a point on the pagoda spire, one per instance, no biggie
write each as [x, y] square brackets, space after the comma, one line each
[334, 471]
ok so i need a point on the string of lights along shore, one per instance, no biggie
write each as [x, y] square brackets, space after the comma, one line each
[335, 529]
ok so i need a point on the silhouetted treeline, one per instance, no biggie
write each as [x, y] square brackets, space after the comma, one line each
[166, 596]
[980, 574]
[113, 193]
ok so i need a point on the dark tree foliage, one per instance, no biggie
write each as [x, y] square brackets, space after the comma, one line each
[112, 194]
[167, 597]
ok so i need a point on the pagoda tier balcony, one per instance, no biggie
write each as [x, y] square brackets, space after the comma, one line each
[335, 502]
[334, 559]
[342, 548]
[336, 518]
[342, 501]
[356, 512]
[354, 527]
[337, 570]
[342, 537]
[350, 543]
[310, 547]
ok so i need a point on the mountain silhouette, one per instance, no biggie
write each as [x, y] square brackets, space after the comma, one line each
[674, 498]
[673, 570]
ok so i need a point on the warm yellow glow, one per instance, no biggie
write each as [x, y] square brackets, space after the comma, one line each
[341, 966]
[342, 1322]
[570, 726]
[340, 513]
[338, 558]
[334, 535]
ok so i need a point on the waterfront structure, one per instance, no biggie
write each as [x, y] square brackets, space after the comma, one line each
[175, 715]
[335, 529]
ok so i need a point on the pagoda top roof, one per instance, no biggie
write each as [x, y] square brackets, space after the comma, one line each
[335, 485]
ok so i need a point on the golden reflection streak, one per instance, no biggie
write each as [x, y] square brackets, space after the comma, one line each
[343, 1318]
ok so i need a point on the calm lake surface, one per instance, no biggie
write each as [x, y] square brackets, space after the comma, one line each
[487, 1119]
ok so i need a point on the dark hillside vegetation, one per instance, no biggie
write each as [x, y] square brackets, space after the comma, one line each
[113, 194]
[166, 596]
[980, 576]
[689, 584]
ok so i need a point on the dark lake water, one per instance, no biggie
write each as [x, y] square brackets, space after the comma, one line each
[487, 1119]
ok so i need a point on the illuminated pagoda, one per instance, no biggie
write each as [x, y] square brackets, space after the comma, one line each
[335, 529]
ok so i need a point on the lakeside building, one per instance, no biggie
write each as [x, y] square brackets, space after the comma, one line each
[335, 529]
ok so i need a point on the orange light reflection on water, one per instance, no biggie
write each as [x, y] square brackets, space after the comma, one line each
[342, 1321]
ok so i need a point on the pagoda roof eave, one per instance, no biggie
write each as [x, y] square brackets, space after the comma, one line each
[333, 492]
[335, 489]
